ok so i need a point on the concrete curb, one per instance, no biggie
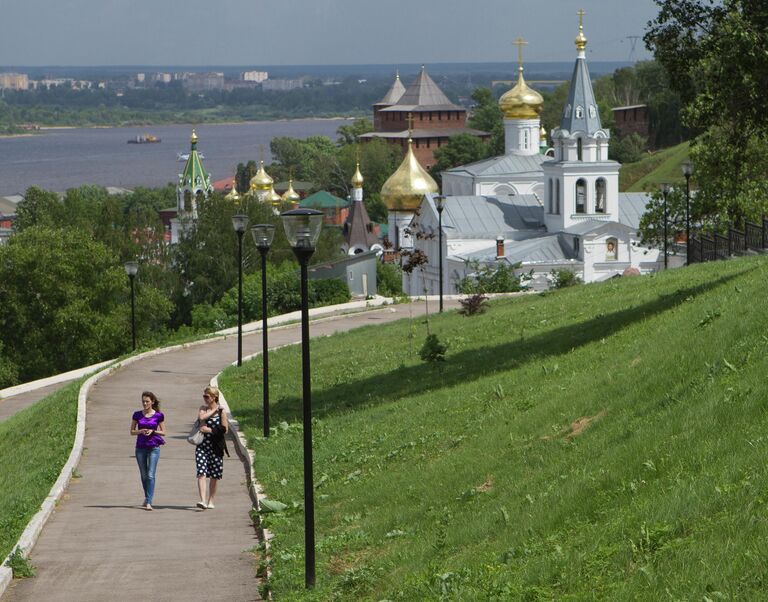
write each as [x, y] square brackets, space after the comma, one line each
[51, 380]
[35, 526]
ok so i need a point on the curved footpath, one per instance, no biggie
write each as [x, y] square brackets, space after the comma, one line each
[100, 545]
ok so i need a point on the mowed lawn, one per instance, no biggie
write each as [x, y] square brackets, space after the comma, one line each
[605, 442]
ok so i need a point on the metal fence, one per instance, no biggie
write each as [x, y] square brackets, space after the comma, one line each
[754, 238]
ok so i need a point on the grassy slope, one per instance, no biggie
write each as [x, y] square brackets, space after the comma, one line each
[460, 481]
[34, 445]
[653, 170]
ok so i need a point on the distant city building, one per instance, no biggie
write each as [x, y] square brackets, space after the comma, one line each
[255, 76]
[282, 85]
[204, 82]
[163, 78]
[14, 81]
[434, 118]
[140, 77]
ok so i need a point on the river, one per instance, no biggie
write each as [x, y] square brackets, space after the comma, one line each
[58, 159]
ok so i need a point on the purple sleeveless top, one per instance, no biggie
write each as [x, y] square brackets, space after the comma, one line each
[142, 422]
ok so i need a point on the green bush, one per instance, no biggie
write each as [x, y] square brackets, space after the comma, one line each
[433, 350]
[564, 278]
[389, 279]
[490, 279]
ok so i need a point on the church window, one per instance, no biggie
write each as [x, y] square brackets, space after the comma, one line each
[611, 249]
[600, 187]
[581, 195]
[579, 112]
[579, 150]
[592, 111]
[549, 194]
[557, 197]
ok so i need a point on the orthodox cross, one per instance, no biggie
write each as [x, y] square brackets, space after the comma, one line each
[519, 42]
[581, 14]
[410, 124]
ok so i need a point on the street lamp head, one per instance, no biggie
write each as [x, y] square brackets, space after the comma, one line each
[131, 268]
[263, 235]
[239, 222]
[302, 227]
[440, 203]
[665, 188]
[687, 168]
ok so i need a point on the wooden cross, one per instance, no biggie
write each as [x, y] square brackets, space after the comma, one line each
[519, 42]
[581, 14]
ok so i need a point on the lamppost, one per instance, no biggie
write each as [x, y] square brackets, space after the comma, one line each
[687, 172]
[302, 228]
[240, 223]
[665, 188]
[263, 234]
[132, 268]
[440, 205]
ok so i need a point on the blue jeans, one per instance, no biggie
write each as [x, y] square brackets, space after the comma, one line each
[147, 458]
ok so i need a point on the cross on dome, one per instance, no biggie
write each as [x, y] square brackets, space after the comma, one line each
[520, 42]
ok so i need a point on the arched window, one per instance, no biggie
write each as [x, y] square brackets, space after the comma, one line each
[579, 150]
[600, 188]
[579, 112]
[557, 196]
[581, 195]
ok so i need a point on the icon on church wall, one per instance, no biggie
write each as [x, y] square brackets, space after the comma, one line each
[611, 250]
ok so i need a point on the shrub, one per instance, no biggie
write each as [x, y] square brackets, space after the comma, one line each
[473, 305]
[433, 350]
[490, 279]
[389, 279]
[564, 278]
[20, 566]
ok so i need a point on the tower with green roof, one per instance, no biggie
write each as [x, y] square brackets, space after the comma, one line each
[194, 185]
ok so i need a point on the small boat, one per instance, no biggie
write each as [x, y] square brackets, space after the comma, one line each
[185, 156]
[145, 139]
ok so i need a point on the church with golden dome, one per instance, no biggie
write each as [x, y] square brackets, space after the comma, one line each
[534, 208]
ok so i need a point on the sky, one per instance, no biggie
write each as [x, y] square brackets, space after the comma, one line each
[309, 32]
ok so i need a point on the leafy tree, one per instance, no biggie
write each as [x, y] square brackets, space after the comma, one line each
[487, 116]
[348, 134]
[490, 279]
[628, 149]
[9, 372]
[66, 304]
[39, 208]
[389, 279]
[460, 150]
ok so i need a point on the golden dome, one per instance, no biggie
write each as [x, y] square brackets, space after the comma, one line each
[193, 138]
[290, 195]
[261, 181]
[581, 40]
[406, 187]
[357, 179]
[543, 134]
[521, 102]
[232, 194]
[273, 197]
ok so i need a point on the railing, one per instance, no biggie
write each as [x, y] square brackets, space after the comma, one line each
[754, 237]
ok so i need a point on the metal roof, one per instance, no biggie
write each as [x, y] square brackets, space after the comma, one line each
[489, 216]
[502, 165]
[542, 249]
[581, 113]
[425, 94]
[394, 93]
[632, 207]
[426, 133]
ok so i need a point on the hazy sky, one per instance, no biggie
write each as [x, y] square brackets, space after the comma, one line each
[283, 32]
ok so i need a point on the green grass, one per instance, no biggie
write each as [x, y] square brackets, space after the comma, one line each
[462, 481]
[34, 446]
[663, 166]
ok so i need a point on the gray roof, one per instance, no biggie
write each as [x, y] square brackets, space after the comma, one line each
[394, 94]
[581, 95]
[594, 226]
[425, 133]
[489, 216]
[358, 229]
[505, 164]
[541, 249]
[632, 207]
[424, 94]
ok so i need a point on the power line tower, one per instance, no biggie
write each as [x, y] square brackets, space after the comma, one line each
[633, 44]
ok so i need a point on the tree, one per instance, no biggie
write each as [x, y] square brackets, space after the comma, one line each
[460, 150]
[487, 116]
[349, 134]
[716, 56]
[628, 149]
[38, 208]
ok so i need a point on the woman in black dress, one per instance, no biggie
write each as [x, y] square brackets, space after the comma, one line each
[209, 455]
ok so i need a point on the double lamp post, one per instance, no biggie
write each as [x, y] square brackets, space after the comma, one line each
[687, 168]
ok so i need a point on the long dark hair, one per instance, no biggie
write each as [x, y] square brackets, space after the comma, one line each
[153, 397]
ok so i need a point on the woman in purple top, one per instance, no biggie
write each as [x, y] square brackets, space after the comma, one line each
[148, 425]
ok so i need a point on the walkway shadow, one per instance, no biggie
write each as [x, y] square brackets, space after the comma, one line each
[474, 364]
[128, 507]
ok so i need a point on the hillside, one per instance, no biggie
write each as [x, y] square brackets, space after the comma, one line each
[602, 442]
[653, 170]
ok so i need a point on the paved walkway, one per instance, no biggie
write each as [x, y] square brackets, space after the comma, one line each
[10, 405]
[99, 545]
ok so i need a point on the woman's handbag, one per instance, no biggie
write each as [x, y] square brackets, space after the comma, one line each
[195, 436]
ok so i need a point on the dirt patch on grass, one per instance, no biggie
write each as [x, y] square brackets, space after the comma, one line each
[576, 428]
[485, 487]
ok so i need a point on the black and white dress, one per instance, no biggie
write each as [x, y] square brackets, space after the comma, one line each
[209, 464]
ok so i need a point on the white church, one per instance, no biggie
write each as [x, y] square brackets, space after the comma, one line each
[526, 207]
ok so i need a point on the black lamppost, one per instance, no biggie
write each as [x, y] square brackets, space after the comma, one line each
[687, 172]
[302, 228]
[665, 188]
[440, 205]
[132, 268]
[263, 234]
[240, 223]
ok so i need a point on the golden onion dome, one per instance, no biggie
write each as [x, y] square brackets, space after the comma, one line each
[543, 134]
[357, 179]
[273, 197]
[193, 138]
[521, 102]
[406, 187]
[581, 39]
[290, 195]
[232, 194]
[261, 181]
